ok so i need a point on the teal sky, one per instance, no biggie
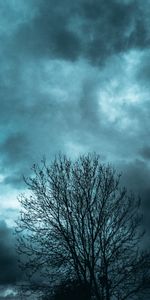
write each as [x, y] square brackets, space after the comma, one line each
[75, 78]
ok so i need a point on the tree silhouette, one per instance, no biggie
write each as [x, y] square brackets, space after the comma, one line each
[70, 291]
[79, 224]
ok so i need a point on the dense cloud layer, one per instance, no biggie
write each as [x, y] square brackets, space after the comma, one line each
[8, 261]
[74, 77]
[90, 29]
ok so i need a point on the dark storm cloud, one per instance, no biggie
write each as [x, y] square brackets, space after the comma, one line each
[50, 100]
[90, 29]
[145, 152]
[48, 34]
[136, 177]
[143, 72]
[14, 153]
[108, 23]
[8, 260]
[14, 148]
[74, 77]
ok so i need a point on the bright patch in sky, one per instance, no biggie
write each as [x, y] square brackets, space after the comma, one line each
[8, 292]
[121, 91]
[74, 149]
[2, 177]
[9, 199]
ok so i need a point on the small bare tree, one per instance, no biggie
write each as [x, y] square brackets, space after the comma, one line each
[78, 223]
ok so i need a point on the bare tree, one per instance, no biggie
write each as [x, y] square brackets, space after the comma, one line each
[78, 223]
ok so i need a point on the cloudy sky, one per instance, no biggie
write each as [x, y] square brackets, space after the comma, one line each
[75, 77]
